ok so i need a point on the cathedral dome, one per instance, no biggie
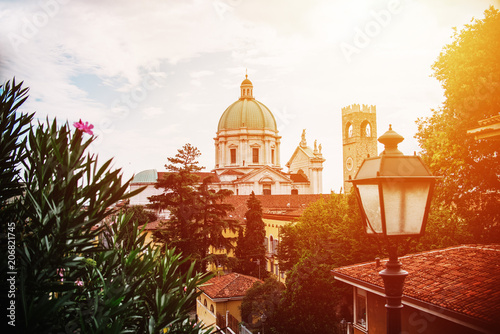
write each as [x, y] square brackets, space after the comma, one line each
[250, 114]
[247, 112]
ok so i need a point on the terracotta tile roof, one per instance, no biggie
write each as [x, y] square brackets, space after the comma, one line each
[283, 205]
[279, 207]
[202, 175]
[228, 286]
[490, 120]
[298, 178]
[463, 279]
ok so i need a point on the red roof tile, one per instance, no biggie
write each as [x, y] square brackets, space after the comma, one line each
[464, 279]
[298, 178]
[228, 286]
[202, 175]
[284, 205]
[279, 207]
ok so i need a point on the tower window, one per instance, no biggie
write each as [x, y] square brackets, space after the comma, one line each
[349, 131]
[266, 189]
[255, 155]
[233, 156]
[295, 191]
[272, 157]
[366, 129]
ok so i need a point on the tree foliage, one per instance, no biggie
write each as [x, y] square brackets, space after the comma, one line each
[327, 235]
[140, 214]
[469, 71]
[311, 301]
[250, 250]
[198, 216]
[330, 231]
[262, 301]
[52, 216]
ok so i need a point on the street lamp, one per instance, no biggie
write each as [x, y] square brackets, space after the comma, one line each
[394, 193]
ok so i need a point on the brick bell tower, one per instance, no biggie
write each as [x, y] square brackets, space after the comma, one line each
[359, 138]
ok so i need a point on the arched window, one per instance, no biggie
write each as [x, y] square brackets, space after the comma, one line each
[212, 308]
[205, 302]
[366, 129]
[271, 243]
[295, 191]
[349, 130]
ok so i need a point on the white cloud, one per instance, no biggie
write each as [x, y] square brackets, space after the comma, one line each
[152, 112]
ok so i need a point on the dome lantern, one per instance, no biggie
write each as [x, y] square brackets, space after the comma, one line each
[246, 89]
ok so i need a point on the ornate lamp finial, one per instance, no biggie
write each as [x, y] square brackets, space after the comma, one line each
[391, 139]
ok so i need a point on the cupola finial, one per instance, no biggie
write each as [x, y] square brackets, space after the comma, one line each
[246, 88]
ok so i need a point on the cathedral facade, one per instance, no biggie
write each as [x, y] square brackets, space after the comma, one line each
[247, 152]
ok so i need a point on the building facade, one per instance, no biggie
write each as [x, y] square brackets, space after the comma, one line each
[247, 152]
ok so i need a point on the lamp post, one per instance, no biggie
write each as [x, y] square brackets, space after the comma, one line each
[394, 193]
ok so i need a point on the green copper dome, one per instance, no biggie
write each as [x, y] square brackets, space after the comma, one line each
[247, 112]
[146, 176]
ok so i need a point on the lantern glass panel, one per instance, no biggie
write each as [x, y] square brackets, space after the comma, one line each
[404, 205]
[371, 205]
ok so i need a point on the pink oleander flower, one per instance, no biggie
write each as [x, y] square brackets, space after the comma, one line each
[79, 282]
[84, 127]
[60, 272]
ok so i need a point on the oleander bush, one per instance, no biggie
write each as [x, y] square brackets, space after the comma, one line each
[78, 268]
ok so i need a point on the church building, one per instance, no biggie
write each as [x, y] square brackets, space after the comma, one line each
[247, 152]
[247, 156]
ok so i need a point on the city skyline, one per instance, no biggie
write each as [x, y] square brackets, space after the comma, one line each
[153, 76]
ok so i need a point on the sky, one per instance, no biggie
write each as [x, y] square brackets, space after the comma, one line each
[152, 76]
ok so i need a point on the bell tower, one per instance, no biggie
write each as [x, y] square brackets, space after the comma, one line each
[359, 138]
